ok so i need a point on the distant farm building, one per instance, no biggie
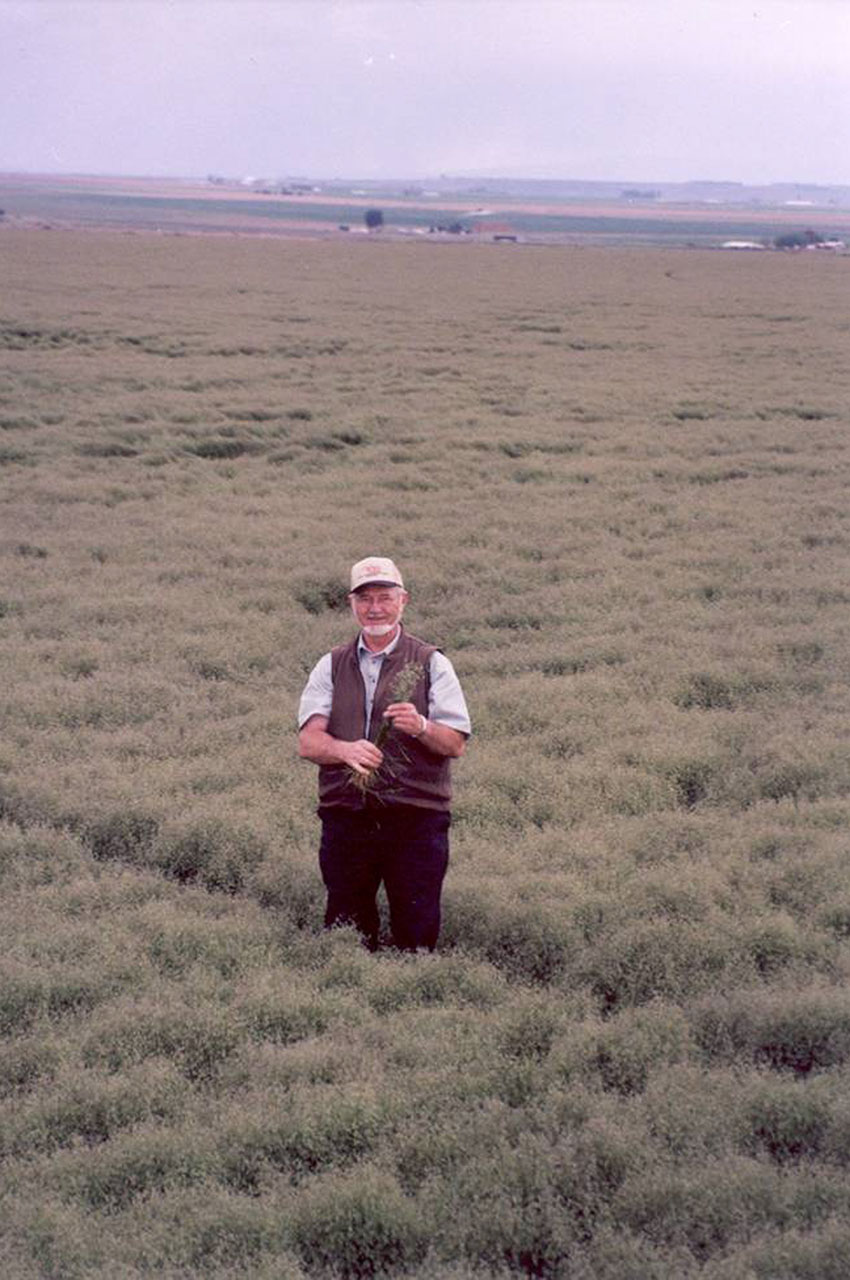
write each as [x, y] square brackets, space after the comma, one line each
[497, 231]
[451, 229]
[741, 244]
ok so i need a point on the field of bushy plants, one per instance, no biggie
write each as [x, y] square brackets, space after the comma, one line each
[616, 481]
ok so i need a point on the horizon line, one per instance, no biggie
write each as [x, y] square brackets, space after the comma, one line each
[459, 176]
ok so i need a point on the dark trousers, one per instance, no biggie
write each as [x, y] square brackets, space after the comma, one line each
[403, 846]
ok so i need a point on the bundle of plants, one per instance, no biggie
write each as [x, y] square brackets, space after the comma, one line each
[400, 690]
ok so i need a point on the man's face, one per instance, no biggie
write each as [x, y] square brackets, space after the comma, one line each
[378, 609]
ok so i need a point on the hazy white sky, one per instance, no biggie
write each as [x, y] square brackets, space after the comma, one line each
[749, 90]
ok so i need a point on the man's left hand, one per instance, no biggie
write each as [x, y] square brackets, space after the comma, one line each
[406, 718]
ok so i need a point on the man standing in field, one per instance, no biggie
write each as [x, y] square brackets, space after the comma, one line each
[383, 715]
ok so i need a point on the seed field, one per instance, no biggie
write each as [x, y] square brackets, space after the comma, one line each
[617, 483]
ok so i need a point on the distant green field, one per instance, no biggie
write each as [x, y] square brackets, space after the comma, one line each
[96, 208]
[616, 481]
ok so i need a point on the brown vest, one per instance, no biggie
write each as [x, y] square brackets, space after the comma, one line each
[410, 773]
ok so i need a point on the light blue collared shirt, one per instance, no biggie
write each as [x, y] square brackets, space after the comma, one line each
[446, 703]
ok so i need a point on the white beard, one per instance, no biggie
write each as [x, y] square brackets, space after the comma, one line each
[383, 630]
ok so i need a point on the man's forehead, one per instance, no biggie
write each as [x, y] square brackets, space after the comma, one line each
[375, 586]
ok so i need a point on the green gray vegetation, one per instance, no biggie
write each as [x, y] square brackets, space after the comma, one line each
[617, 483]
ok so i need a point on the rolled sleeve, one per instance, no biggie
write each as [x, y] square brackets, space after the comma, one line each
[446, 703]
[318, 692]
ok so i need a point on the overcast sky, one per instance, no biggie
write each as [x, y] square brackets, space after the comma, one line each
[748, 90]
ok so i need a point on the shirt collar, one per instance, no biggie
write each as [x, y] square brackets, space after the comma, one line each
[362, 647]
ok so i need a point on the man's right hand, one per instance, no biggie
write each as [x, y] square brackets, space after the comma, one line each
[361, 756]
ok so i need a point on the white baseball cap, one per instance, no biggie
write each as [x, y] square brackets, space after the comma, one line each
[375, 569]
